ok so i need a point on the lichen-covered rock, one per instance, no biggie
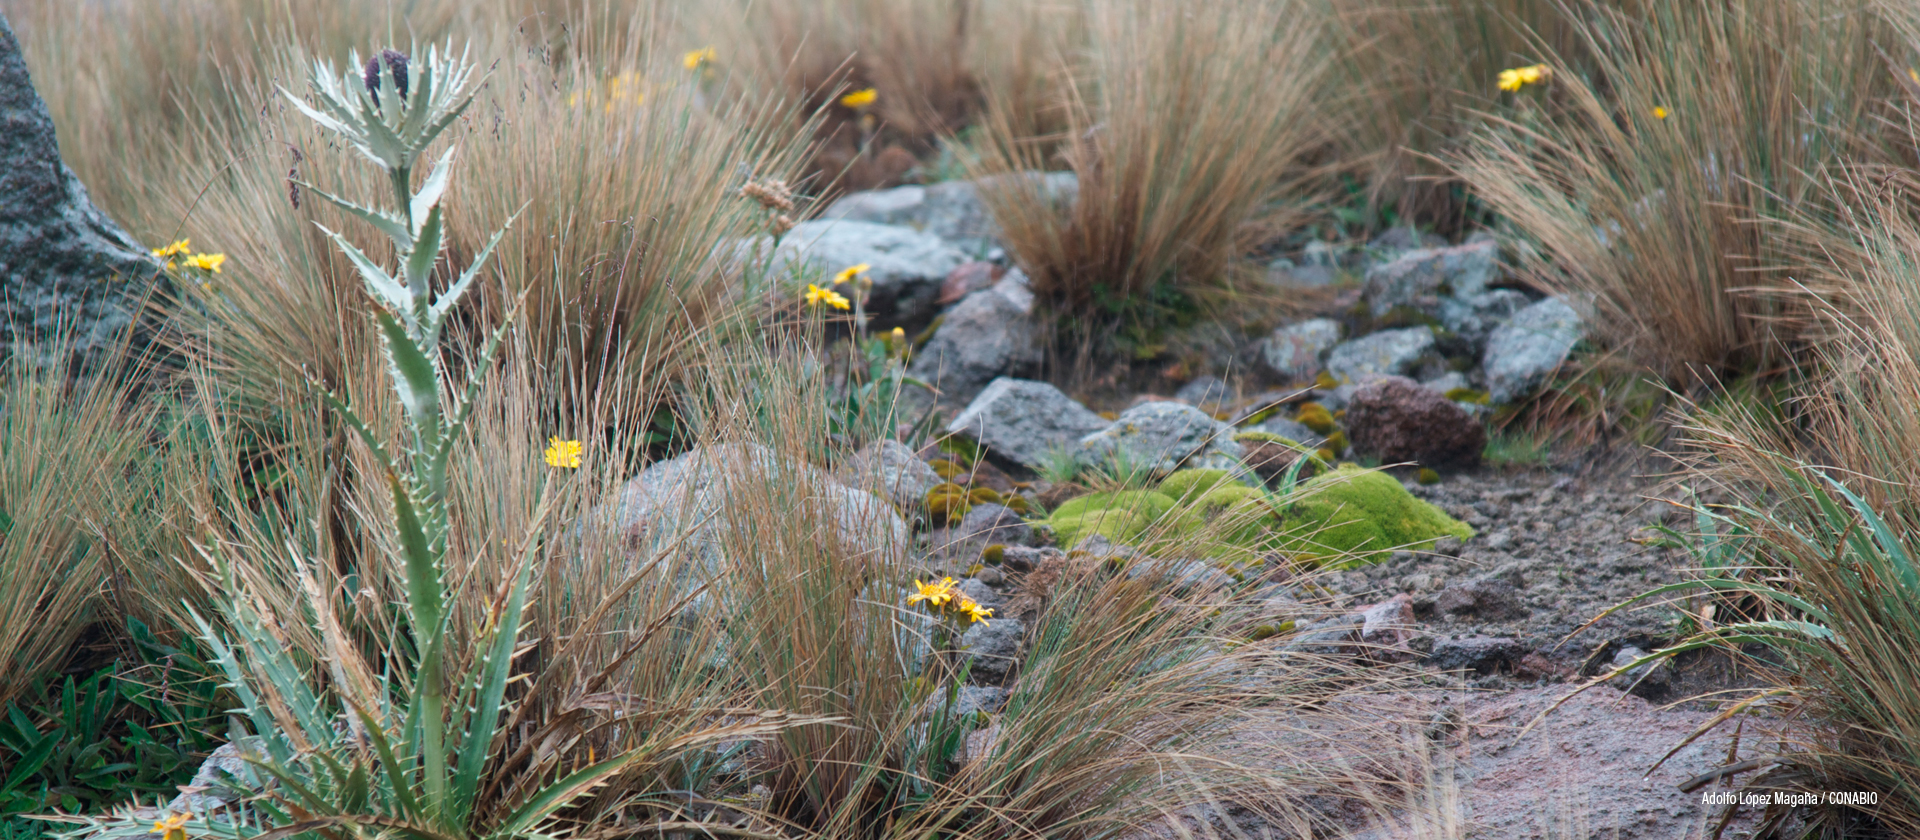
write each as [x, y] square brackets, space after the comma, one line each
[951, 210]
[1420, 280]
[1351, 515]
[988, 335]
[70, 272]
[696, 491]
[1399, 420]
[1022, 422]
[1526, 350]
[1158, 436]
[994, 523]
[1385, 353]
[889, 468]
[994, 646]
[1205, 391]
[906, 266]
[1473, 319]
[1293, 352]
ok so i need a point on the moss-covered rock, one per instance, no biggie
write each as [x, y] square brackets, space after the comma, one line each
[1193, 483]
[1316, 417]
[1365, 514]
[984, 495]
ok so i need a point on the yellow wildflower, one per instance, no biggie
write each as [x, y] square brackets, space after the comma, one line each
[172, 827]
[694, 58]
[860, 98]
[850, 272]
[1660, 112]
[935, 594]
[1519, 77]
[974, 611]
[563, 453]
[817, 296]
[206, 262]
[179, 247]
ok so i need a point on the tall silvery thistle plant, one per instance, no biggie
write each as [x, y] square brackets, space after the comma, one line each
[397, 749]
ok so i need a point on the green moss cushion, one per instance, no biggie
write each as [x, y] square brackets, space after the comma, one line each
[1187, 484]
[1364, 513]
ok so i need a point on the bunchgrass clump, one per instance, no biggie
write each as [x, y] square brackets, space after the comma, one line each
[1183, 123]
[1648, 198]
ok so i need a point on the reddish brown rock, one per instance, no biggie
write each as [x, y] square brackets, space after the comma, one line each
[1398, 420]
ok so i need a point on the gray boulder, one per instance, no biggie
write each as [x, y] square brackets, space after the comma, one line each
[891, 469]
[994, 645]
[1385, 353]
[905, 265]
[1421, 279]
[1526, 350]
[991, 523]
[69, 270]
[988, 334]
[1021, 422]
[1475, 318]
[1159, 436]
[951, 210]
[1293, 352]
[1205, 390]
[694, 492]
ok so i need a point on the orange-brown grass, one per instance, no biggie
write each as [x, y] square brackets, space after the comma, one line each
[1183, 122]
[1410, 74]
[74, 476]
[1655, 224]
[927, 62]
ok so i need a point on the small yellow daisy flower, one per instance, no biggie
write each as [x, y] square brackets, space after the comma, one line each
[694, 58]
[172, 826]
[860, 98]
[935, 594]
[1519, 77]
[1660, 112]
[206, 262]
[850, 272]
[974, 611]
[563, 453]
[179, 247]
[817, 296]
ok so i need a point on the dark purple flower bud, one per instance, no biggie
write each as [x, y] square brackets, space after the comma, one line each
[396, 62]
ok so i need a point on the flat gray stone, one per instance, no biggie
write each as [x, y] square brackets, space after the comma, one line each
[1475, 318]
[1421, 279]
[890, 469]
[690, 495]
[951, 210]
[995, 646]
[905, 265]
[1385, 353]
[1294, 352]
[988, 334]
[1158, 436]
[1526, 350]
[1022, 422]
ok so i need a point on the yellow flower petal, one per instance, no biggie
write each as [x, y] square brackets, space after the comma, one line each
[563, 453]
[694, 58]
[850, 272]
[1659, 112]
[860, 98]
[817, 296]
